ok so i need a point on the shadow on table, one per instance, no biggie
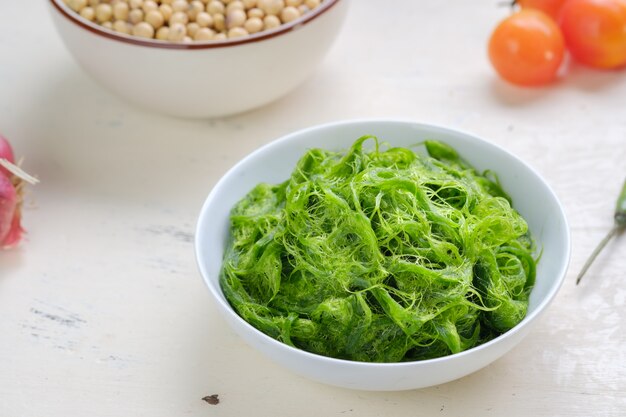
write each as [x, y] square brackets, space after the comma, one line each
[87, 140]
[573, 77]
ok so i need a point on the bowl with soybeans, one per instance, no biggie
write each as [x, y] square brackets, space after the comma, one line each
[199, 58]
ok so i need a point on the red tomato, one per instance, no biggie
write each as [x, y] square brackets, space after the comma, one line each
[527, 48]
[549, 7]
[595, 31]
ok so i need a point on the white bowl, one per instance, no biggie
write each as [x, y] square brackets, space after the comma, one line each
[202, 79]
[273, 163]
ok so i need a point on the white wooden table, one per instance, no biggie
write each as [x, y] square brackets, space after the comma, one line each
[103, 312]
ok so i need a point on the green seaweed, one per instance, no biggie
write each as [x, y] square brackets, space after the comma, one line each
[380, 255]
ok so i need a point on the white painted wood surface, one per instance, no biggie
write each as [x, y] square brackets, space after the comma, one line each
[103, 312]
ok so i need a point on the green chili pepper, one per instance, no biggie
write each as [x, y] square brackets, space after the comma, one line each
[618, 226]
[620, 210]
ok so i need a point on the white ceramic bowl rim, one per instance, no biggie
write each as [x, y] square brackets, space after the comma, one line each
[530, 317]
[75, 18]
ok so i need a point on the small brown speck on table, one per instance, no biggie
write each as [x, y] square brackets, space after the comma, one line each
[212, 399]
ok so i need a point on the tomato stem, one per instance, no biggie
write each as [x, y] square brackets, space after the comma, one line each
[508, 3]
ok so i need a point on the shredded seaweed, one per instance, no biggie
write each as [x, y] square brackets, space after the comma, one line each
[380, 255]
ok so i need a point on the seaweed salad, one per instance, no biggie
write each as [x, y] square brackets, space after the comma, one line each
[380, 255]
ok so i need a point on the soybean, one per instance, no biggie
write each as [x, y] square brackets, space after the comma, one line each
[186, 20]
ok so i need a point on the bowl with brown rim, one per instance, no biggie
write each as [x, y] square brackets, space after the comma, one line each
[204, 78]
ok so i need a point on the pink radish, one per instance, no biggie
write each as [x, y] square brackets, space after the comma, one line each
[6, 152]
[14, 236]
[12, 179]
[10, 202]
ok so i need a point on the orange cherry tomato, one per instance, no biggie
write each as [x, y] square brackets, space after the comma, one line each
[595, 31]
[527, 48]
[549, 7]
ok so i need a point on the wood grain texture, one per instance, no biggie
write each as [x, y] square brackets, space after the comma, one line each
[103, 312]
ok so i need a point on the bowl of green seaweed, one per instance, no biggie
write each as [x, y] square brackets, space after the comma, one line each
[380, 254]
